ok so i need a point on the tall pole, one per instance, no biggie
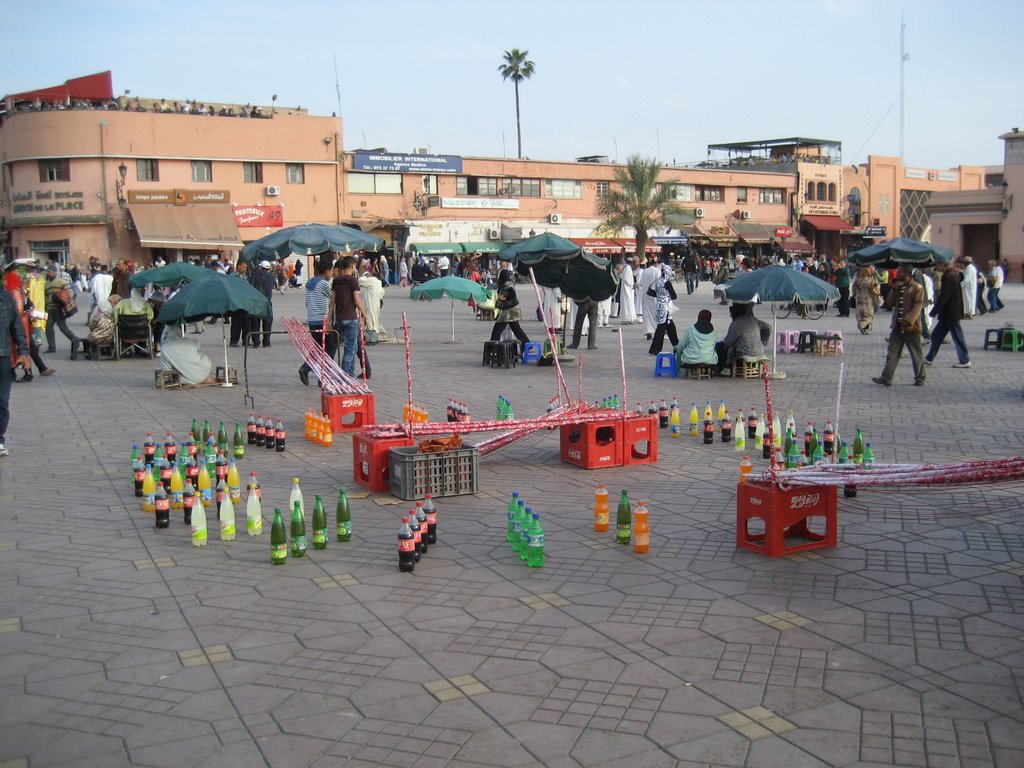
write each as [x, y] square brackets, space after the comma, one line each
[103, 182]
[904, 57]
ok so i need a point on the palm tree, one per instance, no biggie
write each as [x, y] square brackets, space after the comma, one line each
[517, 68]
[638, 201]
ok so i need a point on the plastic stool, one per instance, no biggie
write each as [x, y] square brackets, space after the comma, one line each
[700, 372]
[666, 363]
[1012, 341]
[748, 367]
[993, 337]
[531, 351]
[77, 347]
[786, 341]
[805, 342]
[836, 335]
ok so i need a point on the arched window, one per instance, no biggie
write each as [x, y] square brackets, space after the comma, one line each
[810, 190]
[821, 191]
[831, 193]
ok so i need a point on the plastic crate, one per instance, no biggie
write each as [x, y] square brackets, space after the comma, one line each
[445, 473]
[593, 444]
[371, 466]
[779, 514]
[349, 412]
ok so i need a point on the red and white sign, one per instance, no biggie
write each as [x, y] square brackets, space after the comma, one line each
[259, 215]
[783, 231]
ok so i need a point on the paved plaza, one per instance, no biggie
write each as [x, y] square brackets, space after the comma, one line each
[124, 645]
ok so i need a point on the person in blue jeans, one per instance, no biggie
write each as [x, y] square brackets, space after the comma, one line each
[346, 309]
[947, 311]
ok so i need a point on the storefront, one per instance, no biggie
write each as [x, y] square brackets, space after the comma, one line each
[175, 224]
[826, 233]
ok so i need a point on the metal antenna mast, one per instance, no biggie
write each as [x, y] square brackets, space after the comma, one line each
[904, 58]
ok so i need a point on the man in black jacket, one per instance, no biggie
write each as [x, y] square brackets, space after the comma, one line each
[263, 281]
[948, 310]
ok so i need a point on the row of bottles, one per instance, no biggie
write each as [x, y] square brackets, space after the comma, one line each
[265, 432]
[630, 525]
[417, 532]
[504, 410]
[525, 532]
[318, 428]
[195, 512]
[413, 413]
[279, 535]
[457, 411]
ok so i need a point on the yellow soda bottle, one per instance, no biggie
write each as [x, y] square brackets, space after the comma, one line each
[149, 490]
[694, 420]
[708, 413]
[227, 520]
[205, 487]
[721, 411]
[234, 483]
[177, 488]
[198, 523]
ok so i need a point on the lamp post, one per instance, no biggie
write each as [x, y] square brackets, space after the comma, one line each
[122, 201]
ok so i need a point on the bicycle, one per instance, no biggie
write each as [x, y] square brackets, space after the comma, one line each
[808, 311]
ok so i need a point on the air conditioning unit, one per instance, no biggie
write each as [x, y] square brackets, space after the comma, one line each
[273, 190]
[744, 214]
[698, 212]
[555, 218]
[494, 234]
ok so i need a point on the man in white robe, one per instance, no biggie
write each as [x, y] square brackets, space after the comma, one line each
[372, 293]
[648, 277]
[627, 294]
[100, 286]
[969, 287]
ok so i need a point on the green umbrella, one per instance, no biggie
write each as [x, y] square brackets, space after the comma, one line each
[309, 240]
[900, 251]
[170, 274]
[217, 295]
[560, 263]
[450, 287]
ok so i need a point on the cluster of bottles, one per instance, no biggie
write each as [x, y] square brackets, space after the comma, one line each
[457, 411]
[264, 432]
[825, 447]
[413, 413]
[279, 535]
[417, 532]
[630, 525]
[168, 477]
[524, 531]
[554, 403]
[318, 428]
[504, 410]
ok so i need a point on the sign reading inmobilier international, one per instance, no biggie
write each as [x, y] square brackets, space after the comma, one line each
[389, 163]
[259, 215]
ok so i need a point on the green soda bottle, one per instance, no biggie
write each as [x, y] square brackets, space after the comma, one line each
[526, 527]
[844, 453]
[298, 532]
[858, 448]
[206, 431]
[222, 437]
[194, 431]
[517, 526]
[343, 516]
[535, 546]
[278, 539]
[239, 441]
[623, 520]
[869, 455]
[319, 524]
[792, 456]
[510, 513]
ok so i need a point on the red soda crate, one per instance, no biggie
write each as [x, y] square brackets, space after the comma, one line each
[593, 444]
[640, 441]
[371, 466]
[349, 412]
[785, 513]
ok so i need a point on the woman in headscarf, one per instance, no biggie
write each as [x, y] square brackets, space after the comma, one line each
[867, 292]
[134, 305]
[698, 344]
[23, 305]
[664, 293]
[101, 326]
[509, 313]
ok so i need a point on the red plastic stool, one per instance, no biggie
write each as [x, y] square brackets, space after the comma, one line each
[370, 462]
[785, 513]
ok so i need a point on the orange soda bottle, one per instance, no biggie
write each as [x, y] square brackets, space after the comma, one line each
[744, 469]
[601, 508]
[641, 529]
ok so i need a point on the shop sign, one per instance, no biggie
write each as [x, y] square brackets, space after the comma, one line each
[874, 232]
[43, 202]
[478, 202]
[915, 173]
[258, 215]
[783, 231]
[397, 163]
[178, 196]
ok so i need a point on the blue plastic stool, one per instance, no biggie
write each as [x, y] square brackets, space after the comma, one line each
[666, 363]
[531, 351]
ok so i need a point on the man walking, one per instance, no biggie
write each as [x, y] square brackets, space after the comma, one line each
[906, 298]
[318, 308]
[949, 309]
[690, 272]
[586, 309]
[55, 310]
[13, 352]
[842, 274]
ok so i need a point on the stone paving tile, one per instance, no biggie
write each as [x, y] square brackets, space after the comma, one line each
[123, 645]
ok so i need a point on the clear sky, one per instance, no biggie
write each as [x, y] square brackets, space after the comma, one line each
[663, 78]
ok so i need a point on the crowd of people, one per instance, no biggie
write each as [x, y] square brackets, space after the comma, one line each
[185, 107]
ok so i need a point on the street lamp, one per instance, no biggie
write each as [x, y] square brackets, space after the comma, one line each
[122, 170]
